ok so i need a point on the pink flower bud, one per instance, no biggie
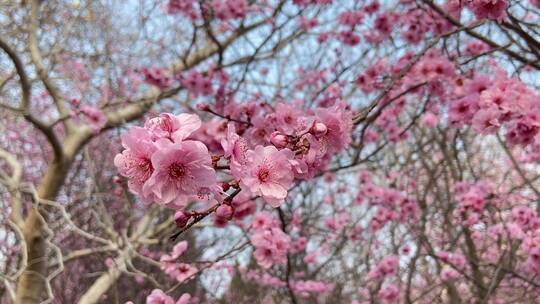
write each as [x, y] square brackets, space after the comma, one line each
[117, 179]
[75, 102]
[181, 218]
[279, 140]
[224, 211]
[202, 107]
[225, 186]
[109, 262]
[319, 129]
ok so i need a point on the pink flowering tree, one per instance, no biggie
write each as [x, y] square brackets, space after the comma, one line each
[303, 151]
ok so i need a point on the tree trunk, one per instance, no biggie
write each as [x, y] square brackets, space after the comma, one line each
[31, 283]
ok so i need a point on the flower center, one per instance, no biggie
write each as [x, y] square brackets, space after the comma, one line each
[288, 119]
[264, 174]
[146, 166]
[166, 124]
[177, 170]
[463, 108]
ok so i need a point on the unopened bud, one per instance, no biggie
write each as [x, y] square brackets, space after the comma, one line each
[279, 140]
[319, 129]
[181, 218]
[225, 186]
[224, 211]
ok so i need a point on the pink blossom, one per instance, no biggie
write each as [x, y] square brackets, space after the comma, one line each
[184, 272]
[477, 85]
[230, 9]
[307, 24]
[184, 299]
[159, 297]
[372, 8]
[157, 77]
[476, 48]
[181, 218]
[95, 117]
[235, 148]
[449, 274]
[263, 220]
[109, 262]
[185, 7]
[430, 120]
[492, 9]
[243, 206]
[179, 249]
[351, 18]
[338, 120]
[182, 171]
[462, 110]
[495, 97]
[534, 258]
[384, 23]
[271, 246]
[268, 173]
[287, 117]
[178, 271]
[311, 257]
[300, 244]
[173, 127]
[522, 131]
[486, 121]
[309, 286]
[349, 37]
[197, 84]
[389, 293]
[135, 161]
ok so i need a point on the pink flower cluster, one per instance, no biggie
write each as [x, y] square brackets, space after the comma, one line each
[197, 83]
[157, 76]
[275, 146]
[230, 9]
[389, 294]
[263, 279]
[455, 260]
[391, 204]
[491, 103]
[370, 80]
[163, 166]
[170, 265]
[271, 243]
[265, 149]
[307, 24]
[487, 103]
[351, 18]
[449, 274]
[387, 266]
[471, 200]
[184, 7]
[306, 288]
[492, 9]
